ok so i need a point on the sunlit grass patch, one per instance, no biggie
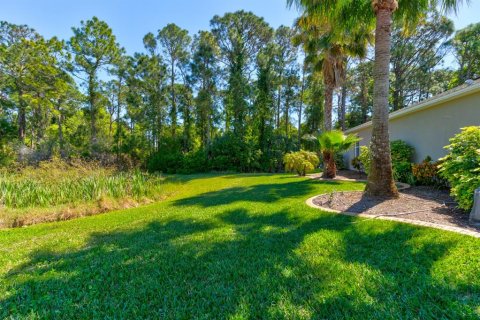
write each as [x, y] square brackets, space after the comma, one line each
[237, 247]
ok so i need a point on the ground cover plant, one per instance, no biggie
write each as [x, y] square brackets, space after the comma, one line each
[56, 190]
[237, 247]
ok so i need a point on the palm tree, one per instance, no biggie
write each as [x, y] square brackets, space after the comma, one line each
[350, 13]
[327, 51]
[332, 143]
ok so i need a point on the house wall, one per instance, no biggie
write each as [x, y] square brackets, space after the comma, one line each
[430, 129]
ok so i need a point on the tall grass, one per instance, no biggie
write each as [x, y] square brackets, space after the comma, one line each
[56, 183]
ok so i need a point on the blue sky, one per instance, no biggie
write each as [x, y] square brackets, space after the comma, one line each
[132, 19]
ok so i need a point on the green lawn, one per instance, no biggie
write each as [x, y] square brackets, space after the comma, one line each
[237, 246]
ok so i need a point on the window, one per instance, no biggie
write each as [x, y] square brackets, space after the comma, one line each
[357, 149]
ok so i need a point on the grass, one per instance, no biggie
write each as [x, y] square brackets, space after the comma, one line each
[59, 191]
[237, 247]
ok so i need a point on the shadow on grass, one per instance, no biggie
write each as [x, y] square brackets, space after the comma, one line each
[242, 265]
[265, 193]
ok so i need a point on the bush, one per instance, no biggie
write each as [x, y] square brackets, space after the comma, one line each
[365, 158]
[402, 157]
[300, 162]
[357, 164]
[230, 153]
[340, 161]
[461, 167]
[402, 171]
[401, 152]
[426, 174]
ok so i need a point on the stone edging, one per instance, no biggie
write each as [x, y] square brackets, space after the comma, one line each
[402, 220]
[400, 185]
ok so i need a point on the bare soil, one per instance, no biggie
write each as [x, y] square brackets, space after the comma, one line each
[416, 203]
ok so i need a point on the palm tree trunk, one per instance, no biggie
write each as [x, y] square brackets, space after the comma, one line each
[327, 126]
[380, 179]
[343, 107]
[330, 167]
[327, 111]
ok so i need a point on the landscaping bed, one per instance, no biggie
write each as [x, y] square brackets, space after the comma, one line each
[342, 175]
[416, 203]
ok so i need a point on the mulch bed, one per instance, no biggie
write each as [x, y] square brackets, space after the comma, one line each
[416, 203]
[343, 175]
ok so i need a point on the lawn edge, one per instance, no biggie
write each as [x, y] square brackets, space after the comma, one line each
[459, 230]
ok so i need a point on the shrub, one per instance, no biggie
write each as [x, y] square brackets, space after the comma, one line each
[340, 161]
[426, 173]
[461, 167]
[402, 171]
[401, 152]
[357, 164]
[365, 158]
[402, 157]
[300, 162]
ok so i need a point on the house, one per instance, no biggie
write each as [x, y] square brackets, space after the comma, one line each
[429, 124]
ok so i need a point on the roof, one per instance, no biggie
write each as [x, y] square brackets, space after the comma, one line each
[457, 92]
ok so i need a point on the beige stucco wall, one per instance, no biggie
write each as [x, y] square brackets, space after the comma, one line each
[430, 129]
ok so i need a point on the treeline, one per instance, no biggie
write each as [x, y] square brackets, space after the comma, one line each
[236, 97]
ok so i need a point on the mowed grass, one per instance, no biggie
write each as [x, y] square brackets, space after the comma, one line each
[237, 247]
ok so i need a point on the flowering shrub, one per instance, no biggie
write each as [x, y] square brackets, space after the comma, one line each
[300, 162]
[461, 167]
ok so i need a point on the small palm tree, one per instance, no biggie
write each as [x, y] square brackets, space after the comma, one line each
[332, 143]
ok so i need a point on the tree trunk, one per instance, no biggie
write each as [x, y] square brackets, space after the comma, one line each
[93, 110]
[330, 171]
[279, 97]
[22, 121]
[300, 108]
[60, 130]
[287, 115]
[380, 179]
[398, 98]
[343, 107]
[173, 112]
[327, 111]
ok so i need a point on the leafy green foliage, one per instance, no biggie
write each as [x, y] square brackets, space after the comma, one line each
[365, 159]
[466, 45]
[336, 142]
[401, 151]
[402, 157]
[300, 162]
[461, 167]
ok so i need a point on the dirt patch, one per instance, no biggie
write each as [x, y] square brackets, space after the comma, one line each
[417, 203]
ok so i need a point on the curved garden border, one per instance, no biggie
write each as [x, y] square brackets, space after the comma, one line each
[402, 186]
